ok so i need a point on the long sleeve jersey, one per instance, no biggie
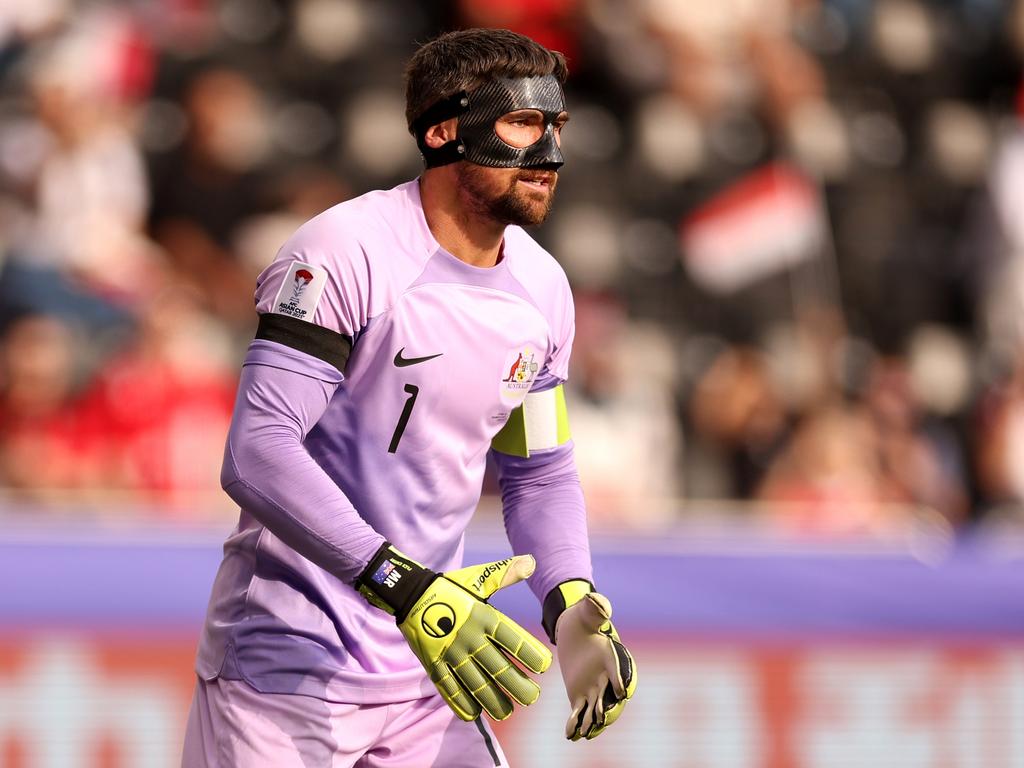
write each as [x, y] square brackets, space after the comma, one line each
[382, 368]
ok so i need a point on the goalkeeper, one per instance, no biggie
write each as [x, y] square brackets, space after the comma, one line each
[403, 337]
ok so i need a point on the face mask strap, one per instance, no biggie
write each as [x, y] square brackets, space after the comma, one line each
[445, 109]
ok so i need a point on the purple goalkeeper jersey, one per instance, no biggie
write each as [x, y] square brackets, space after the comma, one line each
[440, 354]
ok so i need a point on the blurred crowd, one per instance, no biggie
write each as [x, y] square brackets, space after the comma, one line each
[794, 230]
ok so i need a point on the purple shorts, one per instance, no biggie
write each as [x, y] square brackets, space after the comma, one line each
[231, 725]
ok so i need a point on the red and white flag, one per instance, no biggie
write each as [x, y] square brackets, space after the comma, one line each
[768, 220]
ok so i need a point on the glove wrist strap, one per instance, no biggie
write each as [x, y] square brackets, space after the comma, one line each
[394, 582]
[561, 597]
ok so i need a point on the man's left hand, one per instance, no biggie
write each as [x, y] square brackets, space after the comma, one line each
[599, 673]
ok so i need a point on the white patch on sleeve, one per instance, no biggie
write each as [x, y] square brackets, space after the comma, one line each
[540, 416]
[301, 291]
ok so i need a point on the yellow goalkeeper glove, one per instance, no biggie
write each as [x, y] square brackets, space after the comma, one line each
[599, 673]
[464, 643]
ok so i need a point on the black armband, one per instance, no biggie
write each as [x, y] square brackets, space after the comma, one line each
[315, 340]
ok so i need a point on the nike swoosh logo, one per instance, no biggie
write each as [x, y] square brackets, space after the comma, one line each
[402, 362]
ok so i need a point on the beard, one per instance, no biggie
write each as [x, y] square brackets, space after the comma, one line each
[511, 205]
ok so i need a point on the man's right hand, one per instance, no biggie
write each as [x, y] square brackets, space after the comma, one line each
[465, 644]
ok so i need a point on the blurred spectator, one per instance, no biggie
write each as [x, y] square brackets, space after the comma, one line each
[1000, 244]
[628, 448]
[44, 451]
[87, 189]
[160, 408]
[208, 187]
[737, 416]
[150, 424]
[829, 478]
[920, 456]
[999, 438]
[555, 24]
[20, 23]
[725, 56]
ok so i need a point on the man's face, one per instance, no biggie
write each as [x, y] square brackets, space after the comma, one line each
[521, 196]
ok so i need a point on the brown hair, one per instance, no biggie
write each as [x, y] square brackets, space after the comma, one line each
[464, 60]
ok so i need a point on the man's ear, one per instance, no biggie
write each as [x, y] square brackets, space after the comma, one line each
[440, 134]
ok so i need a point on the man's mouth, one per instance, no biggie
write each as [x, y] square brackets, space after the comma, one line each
[541, 181]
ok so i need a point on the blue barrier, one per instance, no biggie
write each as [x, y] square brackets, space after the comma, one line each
[77, 575]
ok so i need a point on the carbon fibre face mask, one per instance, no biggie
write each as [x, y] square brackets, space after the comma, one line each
[478, 111]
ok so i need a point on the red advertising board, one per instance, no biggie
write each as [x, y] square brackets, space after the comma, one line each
[74, 700]
[94, 701]
[818, 706]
